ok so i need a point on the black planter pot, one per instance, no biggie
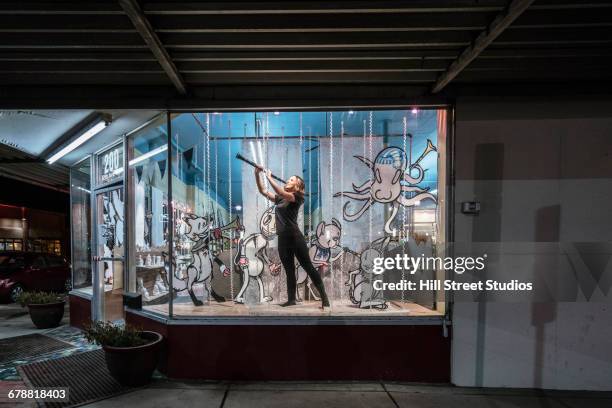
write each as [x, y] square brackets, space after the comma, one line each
[46, 315]
[134, 366]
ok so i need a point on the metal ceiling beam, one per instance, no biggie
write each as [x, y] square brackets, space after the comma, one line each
[498, 25]
[145, 29]
[34, 180]
[285, 7]
[23, 160]
[76, 58]
[320, 7]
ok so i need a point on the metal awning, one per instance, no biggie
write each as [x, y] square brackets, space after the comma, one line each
[161, 53]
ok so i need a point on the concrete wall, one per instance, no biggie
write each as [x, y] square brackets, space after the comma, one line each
[543, 173]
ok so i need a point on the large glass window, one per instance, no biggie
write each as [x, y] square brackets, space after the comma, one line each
[147, 189]
[10, 244]
[80, 197]
[375, 187]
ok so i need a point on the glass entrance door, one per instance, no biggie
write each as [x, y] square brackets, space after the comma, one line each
[109, 255]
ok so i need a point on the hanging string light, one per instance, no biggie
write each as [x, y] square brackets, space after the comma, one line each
[303, 157]
[252, 143]
[370, 212]
[207, 155]
[403, 239]
[331, 186]
[217, 174]
[283, 152]
[319, 178]
[364, 138]
[229, 188]
[266, 141]
[410, 194]
[370, 157]
[341, 201]
[208, 176]
[310, 210]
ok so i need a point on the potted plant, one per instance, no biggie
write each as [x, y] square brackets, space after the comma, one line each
[131, 354]
[46, 309]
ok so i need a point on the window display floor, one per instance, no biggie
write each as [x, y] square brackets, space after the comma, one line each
[306, 308]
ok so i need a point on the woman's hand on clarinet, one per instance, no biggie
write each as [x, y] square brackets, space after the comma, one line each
[268, 174]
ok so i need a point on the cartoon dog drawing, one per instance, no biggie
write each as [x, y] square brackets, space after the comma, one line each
[252, 258]
[327, 238]
[360, 283]
[201, 267]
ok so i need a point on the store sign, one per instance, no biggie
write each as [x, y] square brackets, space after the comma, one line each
[110, 165]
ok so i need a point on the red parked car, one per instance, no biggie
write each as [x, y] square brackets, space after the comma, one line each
[21, 271]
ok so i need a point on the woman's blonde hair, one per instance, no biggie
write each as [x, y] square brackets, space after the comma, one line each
[300, 184]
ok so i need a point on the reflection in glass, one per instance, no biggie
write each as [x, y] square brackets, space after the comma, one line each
[80, 196]
[148, 205]
[375, 184]
[110, 223]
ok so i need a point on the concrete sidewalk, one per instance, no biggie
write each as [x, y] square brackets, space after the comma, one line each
[15, 321]
[352, 395]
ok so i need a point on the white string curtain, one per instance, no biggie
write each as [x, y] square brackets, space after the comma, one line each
[355, 233]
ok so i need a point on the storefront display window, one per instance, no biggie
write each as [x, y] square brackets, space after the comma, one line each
[202, 242]
[8, 244]
[148, 215]
[80, 199]
[49, 246]
[375, 183]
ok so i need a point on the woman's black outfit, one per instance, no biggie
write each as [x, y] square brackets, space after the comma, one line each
[291, 243]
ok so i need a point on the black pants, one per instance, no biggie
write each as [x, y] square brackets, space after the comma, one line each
[292, 244]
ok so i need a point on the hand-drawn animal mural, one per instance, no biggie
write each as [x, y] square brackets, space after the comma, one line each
[327, 238]
[112, 227]
[199, 230]
[391, 182]
[361, 280]
[252, 258]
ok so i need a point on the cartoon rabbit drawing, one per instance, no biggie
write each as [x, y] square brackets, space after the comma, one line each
[252, 258]
[327, 238]
[201, 267]
[361, 280]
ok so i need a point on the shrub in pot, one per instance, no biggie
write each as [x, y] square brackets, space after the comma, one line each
[46, 309]
[131, 354]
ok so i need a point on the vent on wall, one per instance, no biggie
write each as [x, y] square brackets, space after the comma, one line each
[11, 144]
[5, 114]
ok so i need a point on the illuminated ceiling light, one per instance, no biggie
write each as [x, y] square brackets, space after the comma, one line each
[351, 112]
[147, 155]
[78, 141]
[276, 113]
[414, 111]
